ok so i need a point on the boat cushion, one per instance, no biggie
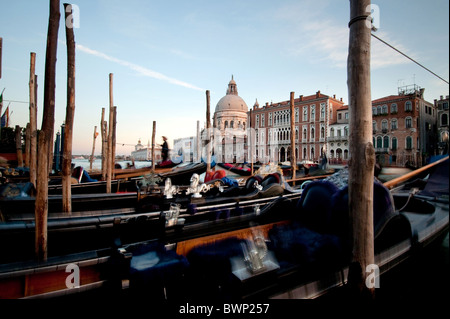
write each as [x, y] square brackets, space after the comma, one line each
[314, 206]
[296, 244]
[152, 267]
[210, 270]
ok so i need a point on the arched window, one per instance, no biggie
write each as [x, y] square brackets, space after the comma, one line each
[374, 126]
[312, 133]
[322, 132]
[394, 108]
[379, 110]
[408, 106]
[386, 142]
[394, 124]
[384, 109]
[374, 111]
[384, 125]
[408, 122]
[394, 143]
[332, 132]
[379, 142]
[409, 143]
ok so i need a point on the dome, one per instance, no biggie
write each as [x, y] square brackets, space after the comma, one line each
[231, 102]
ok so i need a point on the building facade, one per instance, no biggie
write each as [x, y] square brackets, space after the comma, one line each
[338, 135]
[272, 126]
[442, 124]
[404, 128]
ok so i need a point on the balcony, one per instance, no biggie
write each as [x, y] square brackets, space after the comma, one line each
[338, 139]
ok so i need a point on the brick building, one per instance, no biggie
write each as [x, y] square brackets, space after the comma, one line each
[272, 125]
[442, 124]
[404, 128]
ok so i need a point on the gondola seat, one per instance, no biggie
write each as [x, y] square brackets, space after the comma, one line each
[389, 227]
[310, 239]
[210, 271]
[156, 272]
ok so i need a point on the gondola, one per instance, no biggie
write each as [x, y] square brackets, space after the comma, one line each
[293, 247]
[240, 170]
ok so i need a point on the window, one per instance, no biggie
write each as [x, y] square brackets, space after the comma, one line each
[346, 131]
[408, 106]
[394, 143]
[313, 112]
[384, 109]
[305, 113]
[444, 119]
[394, 108]
[386, 142]
[263, 120]
[409, 143]
[339, 116]
[322, 132]
[384, 125]
[374, 126]
[394, 124]
[379, 142]
[346, 115]
[312, 133]
[257, 121]
[408, 122]
[374, 111]
[270, 119]
[322, 111]
[445, 106]
[332, 132]
[379, 110]
[296, 115]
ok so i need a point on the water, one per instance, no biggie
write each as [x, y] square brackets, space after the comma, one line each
[97, 164]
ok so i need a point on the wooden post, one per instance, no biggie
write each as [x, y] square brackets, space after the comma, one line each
[362, 155]
[109, 159]
[91, 159]
[27, 145]
[1, 48]
[104, 130]
[208, 126]
[46, 133]
[19, 146]
[70, 113]
[113, 142]
[293, 138]
[33, 120]
[199, 144]
[250, 141]
[153, 145]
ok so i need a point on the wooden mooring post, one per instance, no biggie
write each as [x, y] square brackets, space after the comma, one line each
[293, 138]
[208, 133]
[33, 120]
[110, 159]
[104, 132]
[91, 159]
[70, 114]
[46, 133]
[19, 152]
[153, 145]
[362, 154]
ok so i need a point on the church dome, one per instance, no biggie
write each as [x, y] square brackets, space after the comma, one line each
[231, 102]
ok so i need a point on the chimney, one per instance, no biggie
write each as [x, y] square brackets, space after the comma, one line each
[317, 94]
[442, 97]
[267, 104]
[334, 96]
[301, 97]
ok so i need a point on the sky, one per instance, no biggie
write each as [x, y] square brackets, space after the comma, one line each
[164, 55]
